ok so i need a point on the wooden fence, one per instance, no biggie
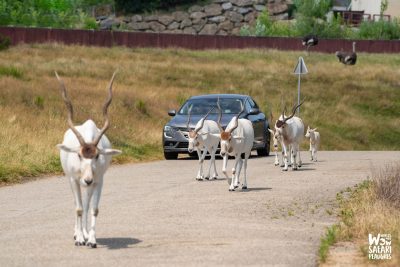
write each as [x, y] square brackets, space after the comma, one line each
[162, 40]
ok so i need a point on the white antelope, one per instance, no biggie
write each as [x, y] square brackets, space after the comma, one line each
[314, 142]
[291, 129]
[85, 155]
[276, 139]
[203, 138]
[237, 139]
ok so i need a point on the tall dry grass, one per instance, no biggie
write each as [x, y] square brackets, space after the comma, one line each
[387, 184]
[373, 208]
[353, 107]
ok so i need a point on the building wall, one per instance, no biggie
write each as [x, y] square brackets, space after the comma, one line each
[393, 8]
[368, 6]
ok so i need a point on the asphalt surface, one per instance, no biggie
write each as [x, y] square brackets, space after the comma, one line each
[157, 214]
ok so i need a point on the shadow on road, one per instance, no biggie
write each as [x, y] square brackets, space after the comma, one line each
[305, 169]
[256, 189]
[117, 242]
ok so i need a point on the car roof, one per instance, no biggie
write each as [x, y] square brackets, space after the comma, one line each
[237, 96]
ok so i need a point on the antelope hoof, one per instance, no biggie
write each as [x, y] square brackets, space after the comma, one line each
[199, 179]
[295, 168]
[74, 237]
[285, 170]
[207, 178]
[231, 190]
[236, 186]
[92, 245]
[79, 243]
[244, 187]
[276, 164]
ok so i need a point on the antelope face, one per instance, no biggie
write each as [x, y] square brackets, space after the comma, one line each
[310, 132]
[90, 158]
[226, 146]
[193, 142]
[275, 139]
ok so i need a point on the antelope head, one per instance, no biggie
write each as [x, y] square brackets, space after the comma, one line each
[194, 134]
[280, 124]
[227, 136]
[90, 155]
[310, 132]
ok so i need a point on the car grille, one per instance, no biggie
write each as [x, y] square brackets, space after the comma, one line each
[183, 145]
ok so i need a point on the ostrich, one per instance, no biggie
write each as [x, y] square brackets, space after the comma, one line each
[348, 58]
[310, 40]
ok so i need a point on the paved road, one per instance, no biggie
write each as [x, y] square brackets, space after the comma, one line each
[156, 214]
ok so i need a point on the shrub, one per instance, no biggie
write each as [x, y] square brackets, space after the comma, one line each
[387, 30]
[267, 27]
[5, 42]
[47, 13]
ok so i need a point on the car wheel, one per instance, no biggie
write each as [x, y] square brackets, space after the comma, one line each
[264, 152]
[170, 155]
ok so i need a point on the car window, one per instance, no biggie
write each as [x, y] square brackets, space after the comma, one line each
[253, 104]
[204, 105]
[248, 105]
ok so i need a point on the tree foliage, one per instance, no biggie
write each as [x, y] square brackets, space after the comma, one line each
[47, 13]
[311, 18]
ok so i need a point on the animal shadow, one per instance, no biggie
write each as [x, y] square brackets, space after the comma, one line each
[118, 242]
[256, 189]
[305, 169]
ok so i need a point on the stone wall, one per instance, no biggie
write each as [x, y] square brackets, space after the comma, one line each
[221, 17]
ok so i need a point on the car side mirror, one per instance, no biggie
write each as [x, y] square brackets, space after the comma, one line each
[172, 112]
[254, 111]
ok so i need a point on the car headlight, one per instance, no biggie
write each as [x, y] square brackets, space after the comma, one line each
[168, 131]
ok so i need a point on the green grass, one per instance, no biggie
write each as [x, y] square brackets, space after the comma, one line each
[328, 240]
[11, 71]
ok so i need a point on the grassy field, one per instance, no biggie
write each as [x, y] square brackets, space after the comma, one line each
[354, 108]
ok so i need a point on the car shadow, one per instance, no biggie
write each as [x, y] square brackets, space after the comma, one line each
[118, 242]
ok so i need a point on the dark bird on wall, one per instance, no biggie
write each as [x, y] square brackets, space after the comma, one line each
[310, 40]
[348, 58]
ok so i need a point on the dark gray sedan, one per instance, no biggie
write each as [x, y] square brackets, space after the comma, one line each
[175, 134]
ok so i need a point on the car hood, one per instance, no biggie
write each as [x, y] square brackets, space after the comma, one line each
[180, 121]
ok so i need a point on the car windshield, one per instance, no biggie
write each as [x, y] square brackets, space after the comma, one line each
[204, 105]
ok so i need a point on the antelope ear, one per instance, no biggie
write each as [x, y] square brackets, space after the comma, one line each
[110, 152]
[216, 135]
[272, 132]
[315, 129]
[68, 149]
[205, 133]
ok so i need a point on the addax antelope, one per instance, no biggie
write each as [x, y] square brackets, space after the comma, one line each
[85, 155]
